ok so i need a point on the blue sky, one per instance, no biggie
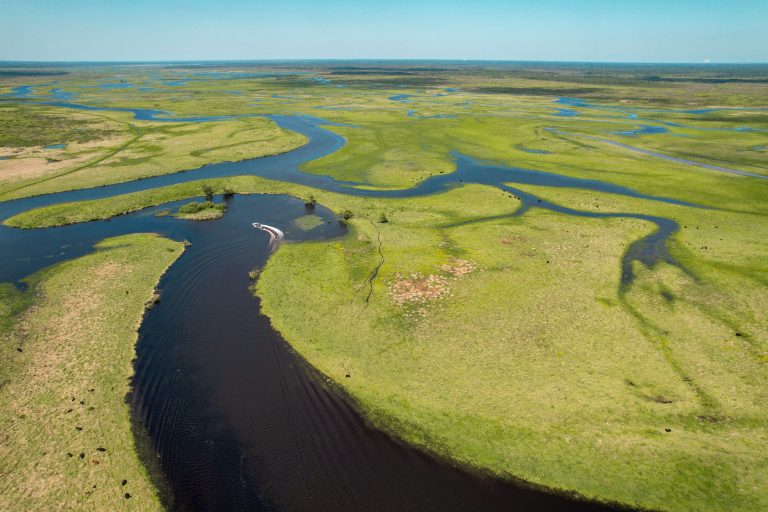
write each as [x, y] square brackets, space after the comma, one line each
[581, 30]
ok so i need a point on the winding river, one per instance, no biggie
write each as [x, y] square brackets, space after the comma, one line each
[238, 421]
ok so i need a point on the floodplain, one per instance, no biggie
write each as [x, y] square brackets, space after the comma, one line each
[540, 274]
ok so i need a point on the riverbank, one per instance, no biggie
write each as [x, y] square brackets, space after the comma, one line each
[421, 363]
[68, 350]
[476, 346]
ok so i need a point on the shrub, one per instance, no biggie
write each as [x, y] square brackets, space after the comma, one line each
[190, 208]
[383, 218]
[207, 192]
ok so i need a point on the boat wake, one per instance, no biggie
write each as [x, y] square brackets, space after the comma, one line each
[275, 235]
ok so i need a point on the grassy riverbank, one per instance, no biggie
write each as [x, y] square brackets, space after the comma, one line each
[479, 340]
[67, 343]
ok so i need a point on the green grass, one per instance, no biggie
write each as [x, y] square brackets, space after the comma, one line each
[146, 149]
[451, 374]
[23, 127]
[506, 343]
[205, 210]
[308, 222]
[511, 371]
[66, 365]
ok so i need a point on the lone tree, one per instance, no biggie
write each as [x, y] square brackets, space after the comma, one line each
[207, 192]
[310, 202]
[347, 214]
[383, 218]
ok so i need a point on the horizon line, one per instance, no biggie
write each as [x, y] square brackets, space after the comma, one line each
[377, 59]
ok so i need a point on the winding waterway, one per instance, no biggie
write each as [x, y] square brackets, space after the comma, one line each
[236, 418]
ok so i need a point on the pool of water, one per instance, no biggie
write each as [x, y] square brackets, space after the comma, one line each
[533, 150]
[565, 112]
[416, 115]
[643, 130]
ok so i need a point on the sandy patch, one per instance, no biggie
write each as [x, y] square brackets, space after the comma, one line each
[28, 163]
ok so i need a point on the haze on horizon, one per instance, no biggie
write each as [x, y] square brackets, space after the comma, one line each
[547, 30]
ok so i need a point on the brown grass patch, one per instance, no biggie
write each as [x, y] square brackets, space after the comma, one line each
[458, 268]
[29, 163]
[417, 288]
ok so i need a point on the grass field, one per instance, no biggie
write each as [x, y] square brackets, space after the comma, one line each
[68, 343]
[505, 343]
[131, 150]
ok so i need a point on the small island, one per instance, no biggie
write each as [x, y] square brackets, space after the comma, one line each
[204, 210]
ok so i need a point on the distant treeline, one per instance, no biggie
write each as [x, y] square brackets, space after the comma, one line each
[707, 80]
[30, 73]
[536, 91]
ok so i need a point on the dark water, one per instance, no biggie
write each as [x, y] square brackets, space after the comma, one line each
[240, 422]
[236, 418]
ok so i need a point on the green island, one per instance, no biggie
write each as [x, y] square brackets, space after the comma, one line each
[205, 210]
[496, 335]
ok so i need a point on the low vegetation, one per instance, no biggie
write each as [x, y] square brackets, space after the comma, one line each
[206, 210]
[22, 127]
[67, 345]
[139, 150]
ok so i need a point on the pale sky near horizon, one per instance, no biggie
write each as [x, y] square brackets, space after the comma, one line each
[561, 30]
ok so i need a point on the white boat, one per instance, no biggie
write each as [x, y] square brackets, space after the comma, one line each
[275, 234]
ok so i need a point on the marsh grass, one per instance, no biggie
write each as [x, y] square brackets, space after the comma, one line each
[205, 210]
[67, 439]
[308, 222]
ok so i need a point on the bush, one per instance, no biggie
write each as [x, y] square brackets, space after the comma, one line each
[228, 192]
[310, 202]
[207, 192]
[190, 208]
[347, 214]
[383, 218]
